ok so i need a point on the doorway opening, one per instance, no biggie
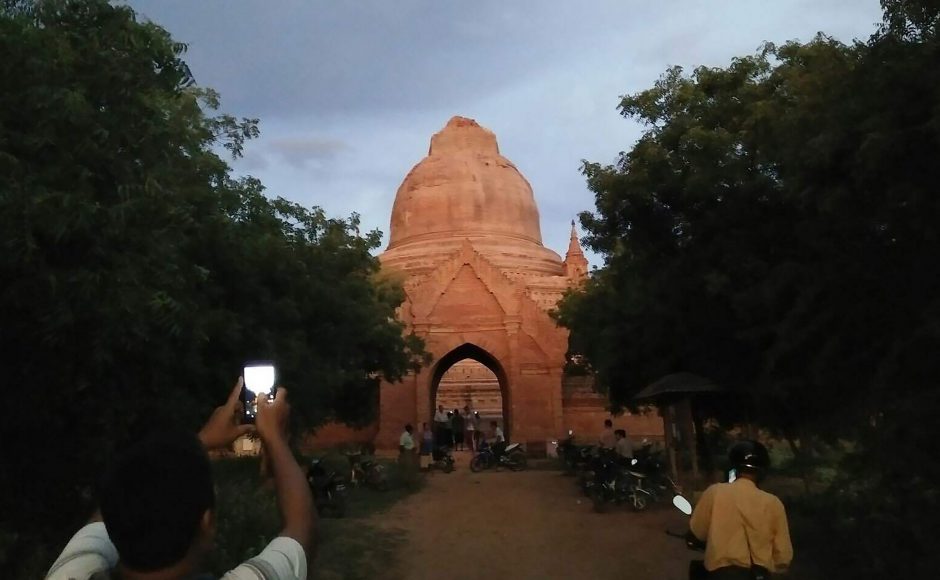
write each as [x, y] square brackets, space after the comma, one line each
[469, 376]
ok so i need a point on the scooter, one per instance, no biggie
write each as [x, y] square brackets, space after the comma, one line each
[441, 458]
[512, 457]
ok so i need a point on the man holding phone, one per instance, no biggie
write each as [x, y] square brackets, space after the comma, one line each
[157, 514]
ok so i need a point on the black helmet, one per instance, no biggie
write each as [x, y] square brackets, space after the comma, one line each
[749, 456]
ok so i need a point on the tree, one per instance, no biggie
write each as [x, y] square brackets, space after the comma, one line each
[776, 229]
[138, 274]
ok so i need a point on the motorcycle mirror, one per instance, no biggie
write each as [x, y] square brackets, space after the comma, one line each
[633, 462]
[682, 505]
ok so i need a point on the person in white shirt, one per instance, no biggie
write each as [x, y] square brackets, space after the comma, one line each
[470, 427]
[157, 514]
[623, 446]
[440, 426]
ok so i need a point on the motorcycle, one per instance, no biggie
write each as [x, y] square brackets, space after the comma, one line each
[614, 483]
[367, 470]
[512, 457]
[328, 489]
[650, 476]
[697, 569]
[572, 457]
[441, 458]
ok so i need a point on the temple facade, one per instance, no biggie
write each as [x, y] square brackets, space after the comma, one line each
[465, 237]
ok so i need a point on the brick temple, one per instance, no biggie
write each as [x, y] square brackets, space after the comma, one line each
[465, 238]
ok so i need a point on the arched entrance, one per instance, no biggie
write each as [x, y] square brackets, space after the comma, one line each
[468, 374]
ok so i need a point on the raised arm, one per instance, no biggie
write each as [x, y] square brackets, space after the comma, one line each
[293, 493]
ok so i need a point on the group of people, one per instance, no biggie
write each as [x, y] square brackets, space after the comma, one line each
[455, 429]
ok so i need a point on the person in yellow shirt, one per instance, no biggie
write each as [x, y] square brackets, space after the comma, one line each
[743, 527]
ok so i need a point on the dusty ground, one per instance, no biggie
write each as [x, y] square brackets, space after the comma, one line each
[534, 524]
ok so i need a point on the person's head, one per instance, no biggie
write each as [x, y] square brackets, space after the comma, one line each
[456, 411]
[466, 408]
[424, 426]
[157, 503]
[449, 414]
[493, 424]
[608, 424]
[440, 407]
[409, 428]
[620, 434]
[749, 459]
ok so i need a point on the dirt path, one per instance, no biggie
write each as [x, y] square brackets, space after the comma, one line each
[535, 524]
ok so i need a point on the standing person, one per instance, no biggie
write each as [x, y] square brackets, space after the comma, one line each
[427, 445]
[141, 534]
[440, 426]
[498, 440]
[458, 426]
[449, 438]
[469, 428]
[623, 446]
[728, 509]
[608, 440]
[477, 429]
[407, 453]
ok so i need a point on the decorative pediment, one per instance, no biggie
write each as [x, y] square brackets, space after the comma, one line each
[427, 294]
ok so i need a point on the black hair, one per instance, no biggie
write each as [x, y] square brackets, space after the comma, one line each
[409, 428]
[153, 499]
[621, 432]
[608, 423]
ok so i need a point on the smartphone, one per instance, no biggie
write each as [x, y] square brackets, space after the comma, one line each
[259, 379]
[732, 475]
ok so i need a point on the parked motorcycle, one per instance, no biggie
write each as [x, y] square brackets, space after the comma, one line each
[328, 489]
[512, 457]
[572, 456]
[367, 470]
[651, 477]
[442, 458]
[615, 483]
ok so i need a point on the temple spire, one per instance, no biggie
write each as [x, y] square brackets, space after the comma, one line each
[576, 264]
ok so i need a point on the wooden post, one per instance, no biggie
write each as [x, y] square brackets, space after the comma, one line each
[687, 428]
[669, 421]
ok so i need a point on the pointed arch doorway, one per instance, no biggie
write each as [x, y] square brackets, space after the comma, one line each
[469, 375]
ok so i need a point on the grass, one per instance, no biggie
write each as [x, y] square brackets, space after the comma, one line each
[351, 548]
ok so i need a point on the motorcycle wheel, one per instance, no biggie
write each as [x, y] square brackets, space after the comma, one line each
[517, 461]
[639, 501]
[477, 464]
[600, 502]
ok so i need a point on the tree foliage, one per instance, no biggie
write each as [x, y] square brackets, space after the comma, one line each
[138, 273]
[776, 228]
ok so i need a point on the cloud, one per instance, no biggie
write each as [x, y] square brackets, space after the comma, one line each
[299, 152]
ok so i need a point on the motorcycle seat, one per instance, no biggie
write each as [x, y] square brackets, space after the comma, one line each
[511, 446]
[636, 474]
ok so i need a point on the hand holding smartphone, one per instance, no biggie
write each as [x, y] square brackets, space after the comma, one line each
[259, 379]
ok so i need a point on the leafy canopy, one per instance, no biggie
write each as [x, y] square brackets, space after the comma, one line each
[139, 274]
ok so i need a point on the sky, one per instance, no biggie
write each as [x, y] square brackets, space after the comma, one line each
[349, 92]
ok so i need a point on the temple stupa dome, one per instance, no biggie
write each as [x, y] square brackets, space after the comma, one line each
[465, 190]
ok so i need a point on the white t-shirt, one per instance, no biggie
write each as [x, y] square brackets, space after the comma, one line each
[406, 441]
[90, 552]
[498, 435]
[440, 416]
[468, 422]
